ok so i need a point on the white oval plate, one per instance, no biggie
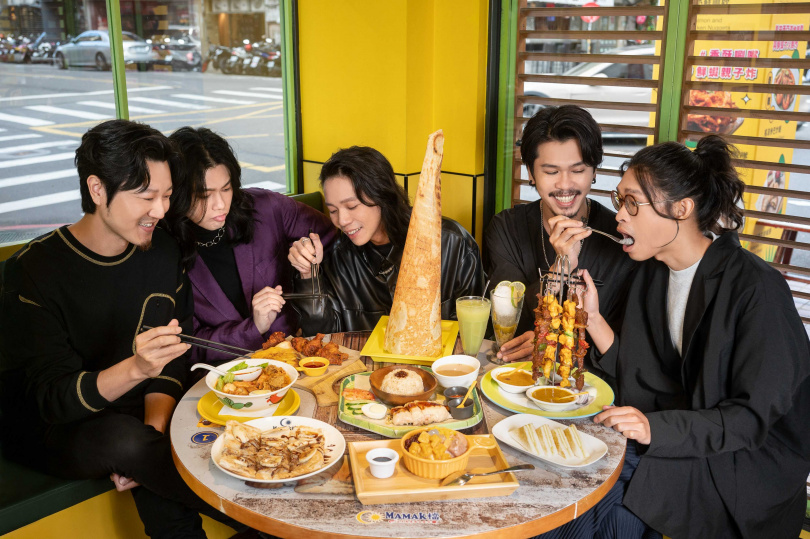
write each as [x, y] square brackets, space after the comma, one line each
[334, 444]
[594, 447]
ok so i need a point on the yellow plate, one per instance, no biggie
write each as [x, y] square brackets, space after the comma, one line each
[209, 407]
[374, 347]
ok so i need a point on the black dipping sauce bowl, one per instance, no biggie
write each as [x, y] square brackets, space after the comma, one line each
[461, 413]
[456, 392]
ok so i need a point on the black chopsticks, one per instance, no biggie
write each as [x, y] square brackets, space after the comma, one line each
[189, 339]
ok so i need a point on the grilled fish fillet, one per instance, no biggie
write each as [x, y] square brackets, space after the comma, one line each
[419, 413]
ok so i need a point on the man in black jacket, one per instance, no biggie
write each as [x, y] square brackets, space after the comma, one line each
[561, 148]
[92, 394]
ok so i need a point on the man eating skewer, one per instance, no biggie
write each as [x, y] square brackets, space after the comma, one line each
[561, 148]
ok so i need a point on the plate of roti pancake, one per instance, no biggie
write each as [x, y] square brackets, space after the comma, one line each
[277, 449]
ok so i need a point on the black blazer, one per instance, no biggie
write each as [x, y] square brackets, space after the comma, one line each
[360, 282]
[730, 442]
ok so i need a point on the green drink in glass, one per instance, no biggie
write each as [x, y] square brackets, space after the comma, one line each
[473, 315]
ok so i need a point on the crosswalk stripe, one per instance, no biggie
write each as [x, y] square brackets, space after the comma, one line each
[167, 103]
[214, 99]
[36, 202]
[33, 122]
[37, 160]
[1, 130]
[37, 146]
[34, 178]
[68, 112]
[272, 186]
[268, 89]
[111, 106]
[82, 94]
[18, 137]
[248, 94]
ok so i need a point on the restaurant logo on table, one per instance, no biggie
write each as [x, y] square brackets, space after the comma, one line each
[370, 517]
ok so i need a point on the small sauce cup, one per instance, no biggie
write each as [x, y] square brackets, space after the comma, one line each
[461, 413]
[382, 462]
[313, 366]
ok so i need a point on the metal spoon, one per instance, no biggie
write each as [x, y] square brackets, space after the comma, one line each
[460, 478]
[245, 375]
[623, 241]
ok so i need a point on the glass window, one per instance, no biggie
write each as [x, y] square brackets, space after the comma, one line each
[44, 110]
[215, 64]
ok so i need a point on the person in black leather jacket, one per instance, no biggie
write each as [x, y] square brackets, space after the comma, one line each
[358, 273]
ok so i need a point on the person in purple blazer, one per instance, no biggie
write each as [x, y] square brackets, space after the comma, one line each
[234, 244]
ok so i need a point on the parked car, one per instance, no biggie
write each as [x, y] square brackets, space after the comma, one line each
[616, 94]
[176, 49]
[92, 48]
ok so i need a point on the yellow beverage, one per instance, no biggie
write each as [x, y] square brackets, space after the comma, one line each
[473, 315]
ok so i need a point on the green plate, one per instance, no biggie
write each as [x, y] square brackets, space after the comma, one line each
[604, 397]
[380, 427]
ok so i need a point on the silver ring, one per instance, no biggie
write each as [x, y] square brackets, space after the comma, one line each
[305, 239]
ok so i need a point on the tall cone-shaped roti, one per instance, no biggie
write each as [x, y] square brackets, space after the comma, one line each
[415, 324]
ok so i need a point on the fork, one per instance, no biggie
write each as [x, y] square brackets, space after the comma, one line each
[623, 241]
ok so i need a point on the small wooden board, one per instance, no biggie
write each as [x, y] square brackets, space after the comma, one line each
[321, 386]
[404, 486]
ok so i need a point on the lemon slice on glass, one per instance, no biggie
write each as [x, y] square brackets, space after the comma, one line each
[518, 289]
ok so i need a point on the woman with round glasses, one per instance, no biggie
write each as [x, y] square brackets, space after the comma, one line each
[711, 359]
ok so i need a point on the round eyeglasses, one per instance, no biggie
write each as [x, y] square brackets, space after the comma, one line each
[630, 202]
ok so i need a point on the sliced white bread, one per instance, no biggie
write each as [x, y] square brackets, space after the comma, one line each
[527, 438]
[572, 434]
[547, 444]
[563, 449]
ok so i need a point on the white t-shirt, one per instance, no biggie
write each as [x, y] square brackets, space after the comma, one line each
[680, 282]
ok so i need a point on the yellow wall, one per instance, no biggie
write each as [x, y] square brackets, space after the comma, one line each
[387, 74]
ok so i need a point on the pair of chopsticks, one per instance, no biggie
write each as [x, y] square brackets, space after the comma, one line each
[210, 345]
[314, 270]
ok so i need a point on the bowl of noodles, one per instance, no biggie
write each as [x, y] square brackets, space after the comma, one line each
[269, 388]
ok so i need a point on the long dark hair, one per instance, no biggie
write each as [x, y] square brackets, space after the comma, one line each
[373, 180]
[706, 175]
[202, 149]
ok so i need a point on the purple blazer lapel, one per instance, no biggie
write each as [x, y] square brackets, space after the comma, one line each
[203, 280]
[243, 253]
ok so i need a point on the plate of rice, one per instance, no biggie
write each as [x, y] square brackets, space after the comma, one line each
[401, 384]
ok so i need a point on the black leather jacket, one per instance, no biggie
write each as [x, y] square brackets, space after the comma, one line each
[359, 282]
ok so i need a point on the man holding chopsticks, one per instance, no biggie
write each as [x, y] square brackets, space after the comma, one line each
[85, 394]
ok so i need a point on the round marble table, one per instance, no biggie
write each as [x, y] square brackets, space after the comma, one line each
[547, 497]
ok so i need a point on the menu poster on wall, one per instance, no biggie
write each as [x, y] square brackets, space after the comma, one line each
[727, 125]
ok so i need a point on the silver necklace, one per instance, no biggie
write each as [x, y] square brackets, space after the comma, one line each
[211, 243]
[543, 229]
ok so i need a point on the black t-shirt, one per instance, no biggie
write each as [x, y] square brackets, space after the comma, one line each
[513, 252]
[220, 260]
[67, 313]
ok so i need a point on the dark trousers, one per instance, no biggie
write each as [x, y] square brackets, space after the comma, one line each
[609, 519]
[110, 442]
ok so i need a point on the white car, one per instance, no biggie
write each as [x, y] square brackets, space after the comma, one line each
[614, 94]
[92, 48]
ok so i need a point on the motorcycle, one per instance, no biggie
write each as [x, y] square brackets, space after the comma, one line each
[235, 63]
[218, 56]
[42, 50]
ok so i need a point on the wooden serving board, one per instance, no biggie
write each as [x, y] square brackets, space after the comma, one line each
[321, 386]
[404, 486]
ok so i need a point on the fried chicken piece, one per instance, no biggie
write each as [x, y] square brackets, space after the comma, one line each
[299, 344]
[314, 345]
[273, 340]
[332, 352]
